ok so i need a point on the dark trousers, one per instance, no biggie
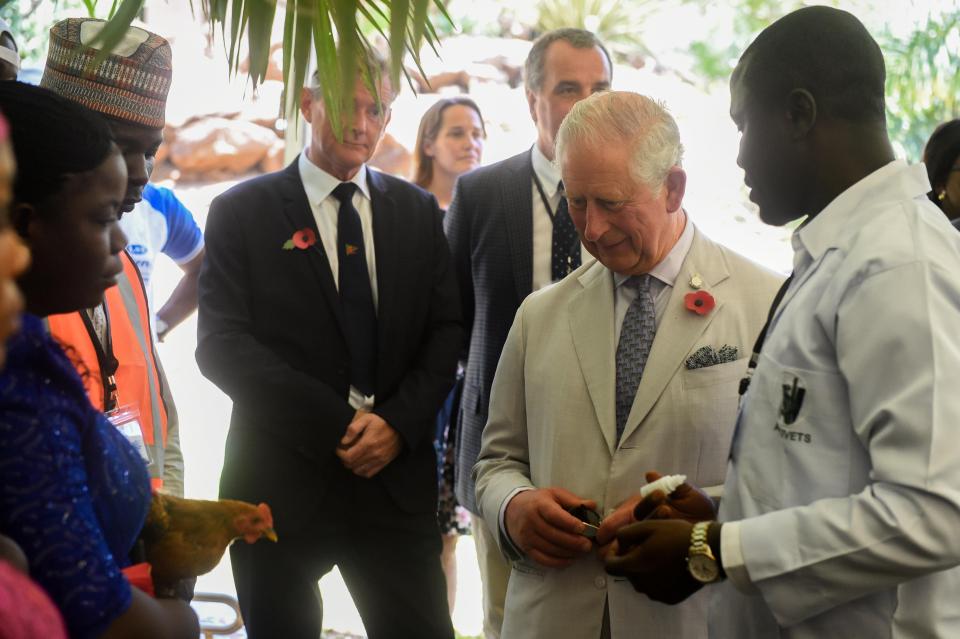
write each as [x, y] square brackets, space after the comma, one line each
[389, 559]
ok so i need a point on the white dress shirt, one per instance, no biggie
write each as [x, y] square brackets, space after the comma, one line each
[845, 510]
[549, 175]
[663, 277]
[319, 186]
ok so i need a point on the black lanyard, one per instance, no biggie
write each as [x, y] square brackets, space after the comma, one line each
[574, 249]
[543, 197]
[105, 357]
[754, 358]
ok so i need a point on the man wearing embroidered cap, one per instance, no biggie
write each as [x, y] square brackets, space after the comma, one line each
[114, 341]
[129, 87]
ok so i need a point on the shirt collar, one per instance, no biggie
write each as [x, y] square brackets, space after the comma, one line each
[318, 184]
[669, 267]
[851, 210]
[546, 171]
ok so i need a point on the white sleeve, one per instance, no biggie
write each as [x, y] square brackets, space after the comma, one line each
[731, 556]
[898, 353]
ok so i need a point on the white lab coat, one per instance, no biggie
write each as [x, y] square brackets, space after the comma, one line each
[849, 498]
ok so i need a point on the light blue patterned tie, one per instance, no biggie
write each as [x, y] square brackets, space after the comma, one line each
[636, 338]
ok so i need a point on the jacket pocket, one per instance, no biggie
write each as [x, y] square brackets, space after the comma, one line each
[527, 568]
[802, 450]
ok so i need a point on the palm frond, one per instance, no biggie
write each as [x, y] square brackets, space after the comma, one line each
[333, 27]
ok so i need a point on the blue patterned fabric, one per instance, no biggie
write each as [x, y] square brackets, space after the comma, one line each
[636, 338]
[73, 493]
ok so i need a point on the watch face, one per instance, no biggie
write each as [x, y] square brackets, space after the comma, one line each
[703, 568]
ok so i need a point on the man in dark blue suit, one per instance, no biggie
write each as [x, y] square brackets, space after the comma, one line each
[510, 233]
[329, 314]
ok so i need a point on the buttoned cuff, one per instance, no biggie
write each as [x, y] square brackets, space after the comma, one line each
[502, 522]
[731, 554]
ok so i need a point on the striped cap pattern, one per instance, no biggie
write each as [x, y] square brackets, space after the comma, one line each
[131, 88]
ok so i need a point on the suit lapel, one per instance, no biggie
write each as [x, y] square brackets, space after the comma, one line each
[387, 245]
[297, 211]
[679, 328]
[517, 206]
[592, 332]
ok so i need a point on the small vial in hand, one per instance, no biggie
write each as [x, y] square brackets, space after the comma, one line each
[666, 484]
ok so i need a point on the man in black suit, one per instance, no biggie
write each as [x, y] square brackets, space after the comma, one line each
[329, 314]
[510, 233]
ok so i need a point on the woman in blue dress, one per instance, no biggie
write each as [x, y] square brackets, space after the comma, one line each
[73, 492]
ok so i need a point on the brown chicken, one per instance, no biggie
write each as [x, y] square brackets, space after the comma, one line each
[184, 538]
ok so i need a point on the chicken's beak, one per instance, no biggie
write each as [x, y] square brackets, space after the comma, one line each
[270, 534]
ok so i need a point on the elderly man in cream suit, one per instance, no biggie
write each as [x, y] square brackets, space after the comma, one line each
[629, 364]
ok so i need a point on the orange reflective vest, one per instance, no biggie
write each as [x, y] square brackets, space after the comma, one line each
[137, 379]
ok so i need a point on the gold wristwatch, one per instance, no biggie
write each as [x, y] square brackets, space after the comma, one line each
[701, 564]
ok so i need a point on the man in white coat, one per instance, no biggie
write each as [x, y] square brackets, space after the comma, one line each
[631, 363]
[842, 503]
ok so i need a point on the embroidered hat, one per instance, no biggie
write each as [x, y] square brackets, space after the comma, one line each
[6, 53]
[131, 84]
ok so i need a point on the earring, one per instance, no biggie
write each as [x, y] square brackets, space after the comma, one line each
[942, 195]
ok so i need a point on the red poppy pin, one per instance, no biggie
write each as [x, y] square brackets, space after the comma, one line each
[351, 249]
[700, 302]
[302, 239]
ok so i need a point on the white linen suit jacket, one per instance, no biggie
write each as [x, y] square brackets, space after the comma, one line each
[552, 423]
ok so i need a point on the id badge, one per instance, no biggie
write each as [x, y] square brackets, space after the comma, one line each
[127, 420]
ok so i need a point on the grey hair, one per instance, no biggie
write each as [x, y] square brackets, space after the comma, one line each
[615, 117]
[533, 68]
[370, 61]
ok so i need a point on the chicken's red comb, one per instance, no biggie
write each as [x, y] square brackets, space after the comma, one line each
[264, 511]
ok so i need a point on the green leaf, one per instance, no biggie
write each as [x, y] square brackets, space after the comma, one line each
[399, 12]
[419, 27]
[91, 6]
[238, 22]
[289, 42]
[350, 48]
[328, 68]
[288, 245]
[365, 12]
[114, 30]
[301, 56]
[260, 24]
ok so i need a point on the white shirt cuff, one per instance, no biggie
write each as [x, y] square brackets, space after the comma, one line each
[731, 555]
[502, 520]
[358, 400]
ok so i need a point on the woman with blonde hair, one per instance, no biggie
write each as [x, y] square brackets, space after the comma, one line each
[449, 143]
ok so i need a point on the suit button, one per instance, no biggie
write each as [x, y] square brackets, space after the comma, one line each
[600, 582]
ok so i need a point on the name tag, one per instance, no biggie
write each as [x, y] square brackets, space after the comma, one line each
[127, 420]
